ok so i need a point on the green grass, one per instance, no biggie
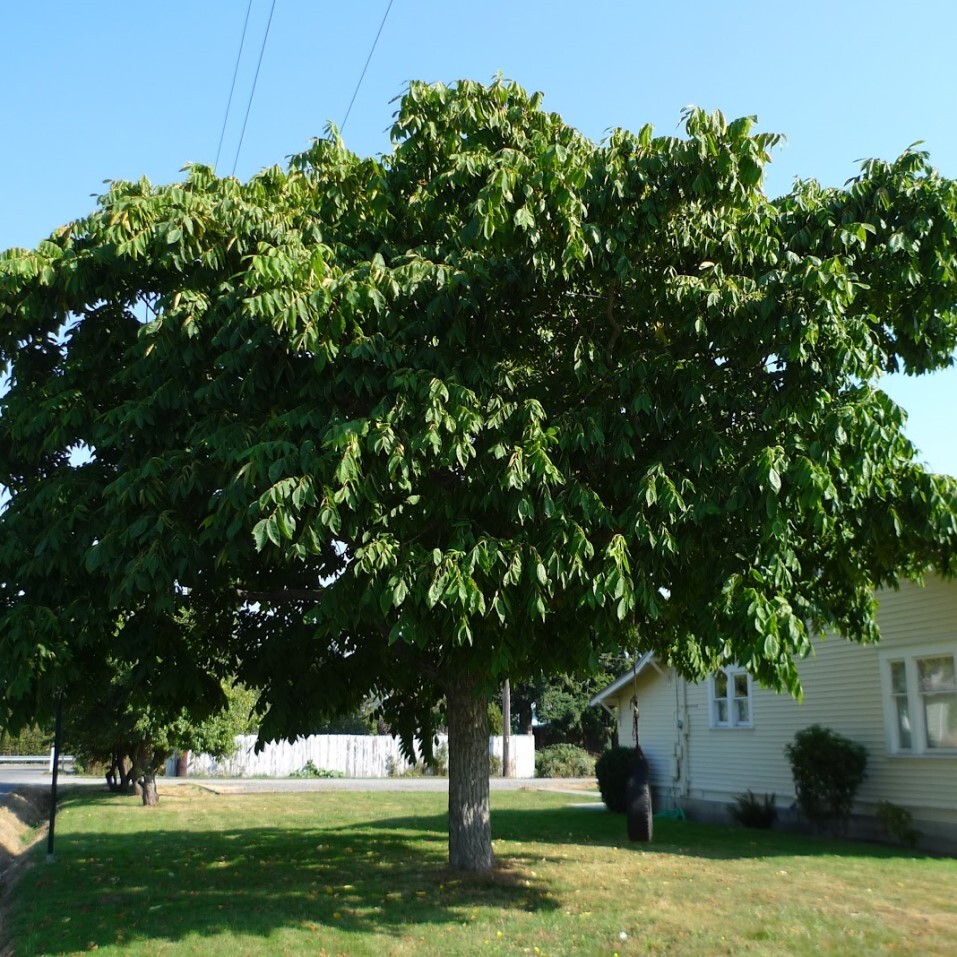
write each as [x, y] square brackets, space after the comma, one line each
[349, 873]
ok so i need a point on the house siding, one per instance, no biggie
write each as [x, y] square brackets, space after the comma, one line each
[842, 691]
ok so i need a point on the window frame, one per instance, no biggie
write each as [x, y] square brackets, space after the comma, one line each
[919, 747]
[732, 724]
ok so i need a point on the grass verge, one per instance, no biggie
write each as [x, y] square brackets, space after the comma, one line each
[334, 873]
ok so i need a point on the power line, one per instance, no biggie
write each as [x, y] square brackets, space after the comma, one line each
[366, 67]
[252, 92]
[232, 86]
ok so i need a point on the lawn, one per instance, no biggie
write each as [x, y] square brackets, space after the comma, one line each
[350, 873]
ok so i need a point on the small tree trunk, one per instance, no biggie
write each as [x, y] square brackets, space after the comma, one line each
[470, 826]
[148, 784]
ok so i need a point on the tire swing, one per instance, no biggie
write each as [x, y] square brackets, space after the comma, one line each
[637, 787]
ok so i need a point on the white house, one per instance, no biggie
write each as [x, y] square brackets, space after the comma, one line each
[708, 742]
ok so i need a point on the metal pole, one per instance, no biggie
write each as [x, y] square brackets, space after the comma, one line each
[56, 768]
[506, 730]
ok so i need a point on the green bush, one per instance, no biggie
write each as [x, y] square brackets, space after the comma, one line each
[827, 769]
[751, 811]
[564, 761]
[309, 770]
[31, 740]
[611, 769]
[898, 822]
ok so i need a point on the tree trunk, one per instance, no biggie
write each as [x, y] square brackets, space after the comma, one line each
[148, 784]
[470, 826]
[146, 761]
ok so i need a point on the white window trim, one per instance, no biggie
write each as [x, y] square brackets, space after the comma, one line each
[732, 723]
[909, 656]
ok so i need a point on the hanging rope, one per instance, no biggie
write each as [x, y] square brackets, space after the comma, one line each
[635, 714]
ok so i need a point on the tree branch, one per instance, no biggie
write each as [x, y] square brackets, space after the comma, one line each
[281, 596]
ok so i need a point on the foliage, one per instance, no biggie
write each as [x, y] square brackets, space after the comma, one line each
[356, 722]
[827, 769]
[563, 761]
[475, 409]
[495, 720]
[31, 740]
[751, 811]
[435, 763]
[309, 770]
[611, 769]
[898, 822]
[113, 723]
[561, 708]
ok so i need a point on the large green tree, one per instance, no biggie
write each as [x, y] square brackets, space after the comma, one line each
[485, 406]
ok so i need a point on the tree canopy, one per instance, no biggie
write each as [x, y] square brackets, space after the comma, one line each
[484, 406]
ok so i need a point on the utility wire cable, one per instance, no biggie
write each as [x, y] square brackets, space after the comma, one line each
[232, 86]
[366, 67]
[252, 92]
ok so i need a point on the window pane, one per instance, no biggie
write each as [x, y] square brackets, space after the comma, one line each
[903, 723]
[940, 716]
[721, 711]
[742, 711]
[936, 674]
[898, 677]
[721, 685]
[741, 686]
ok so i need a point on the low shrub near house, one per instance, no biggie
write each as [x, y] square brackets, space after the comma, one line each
[827, 769]
[611, 769]
[899, 823]
[564, 761]
[751, 811]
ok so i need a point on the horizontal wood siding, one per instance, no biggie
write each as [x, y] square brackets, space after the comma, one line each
[842, 691]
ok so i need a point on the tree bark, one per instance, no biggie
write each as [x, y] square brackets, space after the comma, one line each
[150, 792]
[470, 826]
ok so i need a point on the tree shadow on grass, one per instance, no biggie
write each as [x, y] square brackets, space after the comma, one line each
[384, 876]
[169, 884]
[602, 828]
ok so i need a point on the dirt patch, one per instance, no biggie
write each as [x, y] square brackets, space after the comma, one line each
[21, 812]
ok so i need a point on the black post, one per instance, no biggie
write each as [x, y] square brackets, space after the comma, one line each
[506, 730]
[56, 768]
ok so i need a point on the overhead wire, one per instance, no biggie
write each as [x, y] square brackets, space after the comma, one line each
[232, 86]
[252, 92]
[375, 43]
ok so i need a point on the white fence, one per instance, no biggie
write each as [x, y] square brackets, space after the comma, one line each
[354, 755]
[37, 759]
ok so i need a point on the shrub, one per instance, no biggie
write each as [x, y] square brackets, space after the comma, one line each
[494, 766]
[898, 822]
[563, 761]
[751, 811]
[611, 769]
[31, 740]
[309, 770]
[827, 769]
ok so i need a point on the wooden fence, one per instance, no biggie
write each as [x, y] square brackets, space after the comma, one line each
[353, 755]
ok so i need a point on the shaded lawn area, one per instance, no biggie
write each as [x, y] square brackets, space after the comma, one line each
[356, 874]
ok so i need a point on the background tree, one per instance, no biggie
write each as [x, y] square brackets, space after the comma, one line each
[559, 705]
[486, 406]
[114, 724]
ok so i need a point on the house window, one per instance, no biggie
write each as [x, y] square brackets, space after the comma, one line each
[730, 694]
[921, 701]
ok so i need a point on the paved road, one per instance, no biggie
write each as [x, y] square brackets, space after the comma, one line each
[12, 777]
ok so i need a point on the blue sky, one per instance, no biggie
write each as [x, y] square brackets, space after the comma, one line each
[115, 90]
